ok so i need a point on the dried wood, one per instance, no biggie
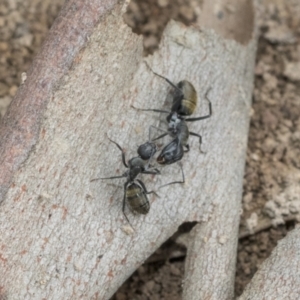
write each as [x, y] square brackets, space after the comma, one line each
[64, 237]
[279, 276]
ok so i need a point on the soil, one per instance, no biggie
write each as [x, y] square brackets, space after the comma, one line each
[271, 203]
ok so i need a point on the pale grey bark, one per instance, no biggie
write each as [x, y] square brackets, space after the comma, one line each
[279, 276]
[211, 257]
[64, 237]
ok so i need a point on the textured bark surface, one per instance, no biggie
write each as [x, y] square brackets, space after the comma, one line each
[19, 130]
[211, 256]
[279, 275]
[64, 237]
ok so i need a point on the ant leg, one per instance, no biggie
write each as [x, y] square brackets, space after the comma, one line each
[144, 188]
[124, 200]
[157, 128]
[174, 182]
[200, 140]
[187, 146]
[123, 153]
[153, 172]
[113, 177]
[166, 79]
[203, 117]
[161, 136]
[150, 109]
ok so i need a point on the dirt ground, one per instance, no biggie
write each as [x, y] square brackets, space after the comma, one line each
[271, 201]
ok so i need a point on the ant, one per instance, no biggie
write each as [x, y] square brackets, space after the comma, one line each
[135, 192]
[184, 104]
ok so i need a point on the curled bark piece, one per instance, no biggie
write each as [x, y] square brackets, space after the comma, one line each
[64, 237]
[279, 276]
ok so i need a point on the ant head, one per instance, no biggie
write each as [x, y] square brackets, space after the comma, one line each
[171, 153]
[147, 150]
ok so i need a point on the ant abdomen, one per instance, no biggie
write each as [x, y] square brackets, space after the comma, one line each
[185, 98]
[137, 199]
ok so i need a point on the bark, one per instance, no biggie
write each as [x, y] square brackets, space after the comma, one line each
[64, 237]
[211, 256]
[279, 276]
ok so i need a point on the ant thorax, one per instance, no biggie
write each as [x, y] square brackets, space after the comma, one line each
[136, 162]
[178, 128]
[174, 122]
[133, 173]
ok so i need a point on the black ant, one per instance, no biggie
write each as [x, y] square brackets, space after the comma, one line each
[135, 192]
[184, 104]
